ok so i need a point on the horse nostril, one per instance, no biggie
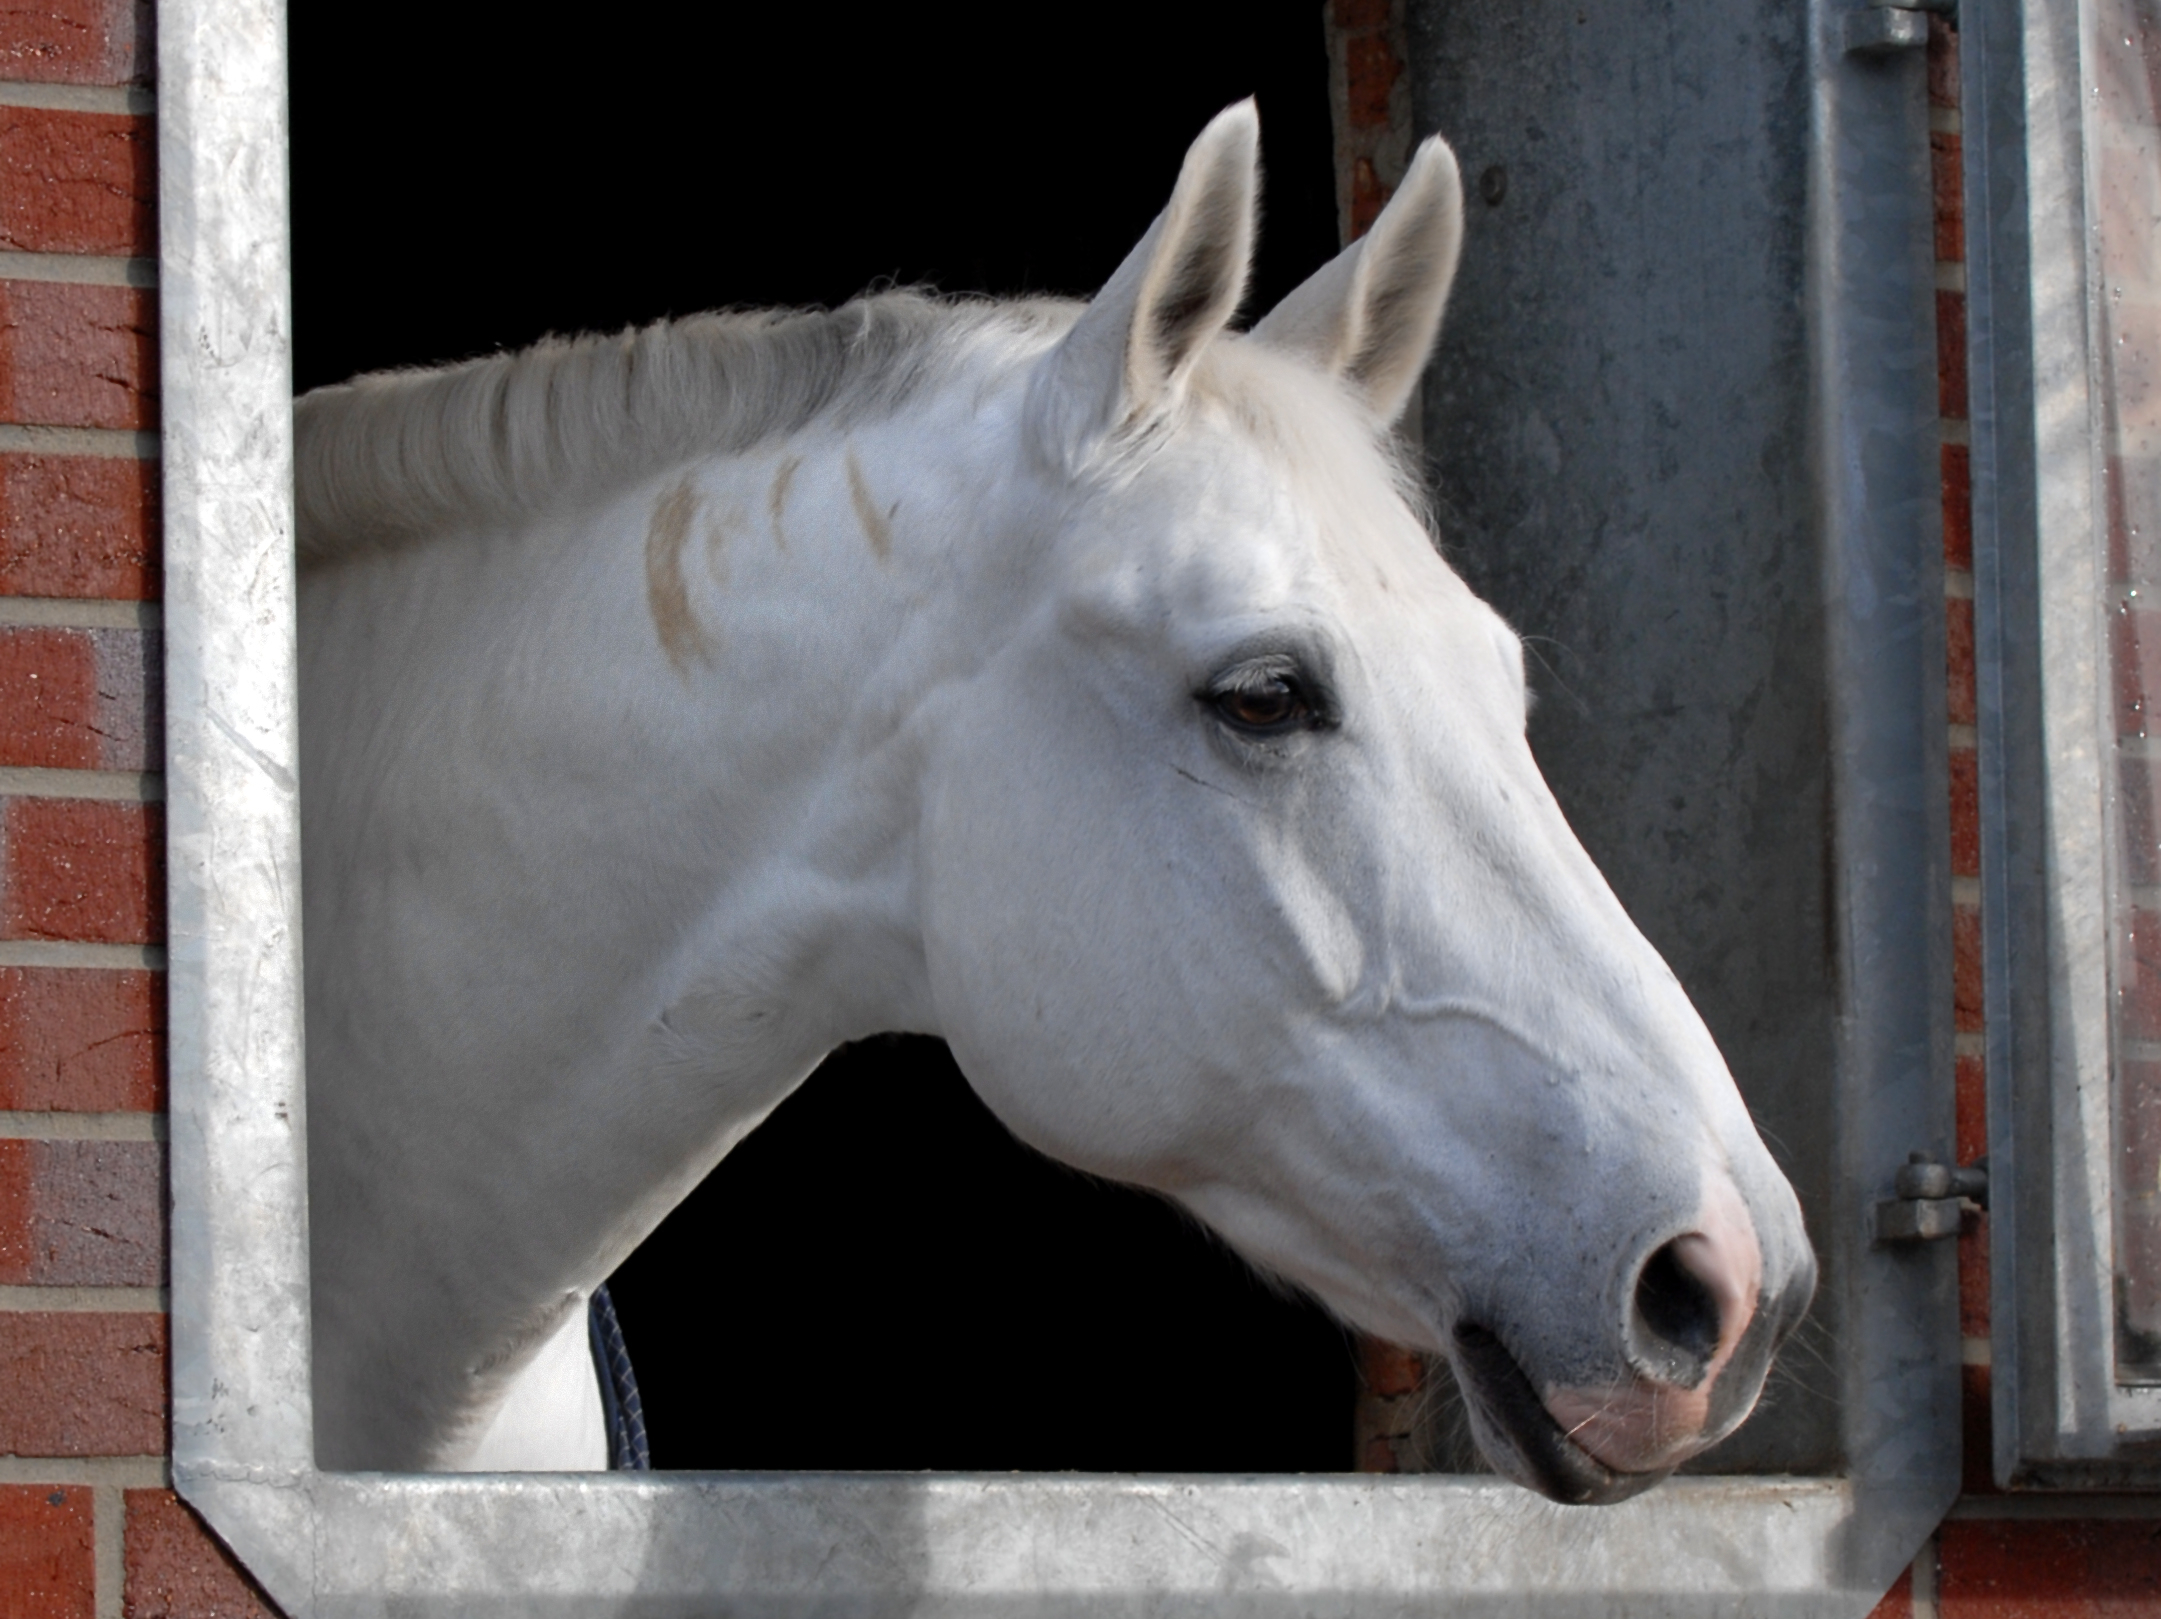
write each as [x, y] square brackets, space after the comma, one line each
[1678, 1311]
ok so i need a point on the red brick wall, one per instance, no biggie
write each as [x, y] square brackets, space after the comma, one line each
[88, 1525]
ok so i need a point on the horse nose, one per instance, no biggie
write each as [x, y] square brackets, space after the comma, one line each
[1695, 1339]
[1677, 1316]
[1695, 1295]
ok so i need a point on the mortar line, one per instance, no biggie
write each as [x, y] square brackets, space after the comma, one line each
[109, 1508]
[31, 1124]
[131, 786]
[78, 613]
[76, 953]
[123, 100]
[79, 269]
[16, 1300]
[116, 443]
[122, 1472]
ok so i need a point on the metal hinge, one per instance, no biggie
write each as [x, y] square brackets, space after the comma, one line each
[1883, 26]
[1931, 1197]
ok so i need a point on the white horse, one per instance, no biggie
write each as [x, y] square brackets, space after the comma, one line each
[1079, 684]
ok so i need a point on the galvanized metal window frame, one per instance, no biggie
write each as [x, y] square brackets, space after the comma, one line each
[2061, 1417]
[325, 1543]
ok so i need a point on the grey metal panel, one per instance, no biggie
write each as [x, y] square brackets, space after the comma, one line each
[240, 1330]
[1036, 1546]
[358, 1544]
[1682, 430]
[2060, 1418]
[1878, 466]
[2013, 758]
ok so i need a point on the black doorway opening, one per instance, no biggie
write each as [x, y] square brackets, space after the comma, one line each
[880, 1277]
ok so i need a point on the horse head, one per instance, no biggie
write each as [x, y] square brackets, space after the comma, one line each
[1239, 880]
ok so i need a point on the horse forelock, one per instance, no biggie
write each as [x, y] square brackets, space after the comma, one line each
[398, 456]
[1313, 435]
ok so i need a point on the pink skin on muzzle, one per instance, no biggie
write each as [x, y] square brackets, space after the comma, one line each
[1643, 1424]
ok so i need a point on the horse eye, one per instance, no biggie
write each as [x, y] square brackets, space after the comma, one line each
[1274, 705]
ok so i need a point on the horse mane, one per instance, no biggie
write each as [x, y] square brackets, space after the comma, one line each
[395, 456]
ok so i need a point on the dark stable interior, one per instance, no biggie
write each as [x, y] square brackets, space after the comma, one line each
[880, 1277]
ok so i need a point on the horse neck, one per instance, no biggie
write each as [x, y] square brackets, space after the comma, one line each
[660, 762]
[806, 601]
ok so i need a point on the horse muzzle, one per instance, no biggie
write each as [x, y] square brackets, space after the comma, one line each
[1521, 1438]
[1696, 1342]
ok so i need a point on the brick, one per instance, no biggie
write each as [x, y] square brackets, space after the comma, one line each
[1976, 1432]
[1966, 1004]
[177, 1569]
[2135, 651]
[1951, 355]
[2129, 81]
[79, 526]
[1958, 660]
[2133, 335]
[2138, 970]
[1389, 1369]
[1942, 63]
[2138, 802]
[1956, 462]
[82, 1213]
[84, 869]
[81, 1040]
[1897, 1602]
[76, 41]
[2138, 1213]
[2131, 488]
[2049, 1569]
[73, 356]
[1947, 172]
[1369, 195]
[1965, 813]
[1973, 1265]
[1970, 1086]
[2138, 1119]
[82, 1384]
[48, 1552]
[75, 699]
[17, 1210]
[77, 182]
[48, 698]
[1371, 71]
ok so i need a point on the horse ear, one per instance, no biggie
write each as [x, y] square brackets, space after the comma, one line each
[1371, 313]
[1126, 360]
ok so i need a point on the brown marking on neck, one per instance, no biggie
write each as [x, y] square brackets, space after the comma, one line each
[720, 528]
[682, 637]
[877, 525]
[776, 502]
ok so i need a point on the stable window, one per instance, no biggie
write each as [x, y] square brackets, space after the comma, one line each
[1682, 423]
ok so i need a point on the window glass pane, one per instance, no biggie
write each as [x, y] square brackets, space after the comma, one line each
[2124, 165]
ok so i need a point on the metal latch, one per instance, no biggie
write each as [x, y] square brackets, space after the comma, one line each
[1931, 1196]
[1883, 26]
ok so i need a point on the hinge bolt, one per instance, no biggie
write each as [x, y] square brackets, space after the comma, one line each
[1931, 1198]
